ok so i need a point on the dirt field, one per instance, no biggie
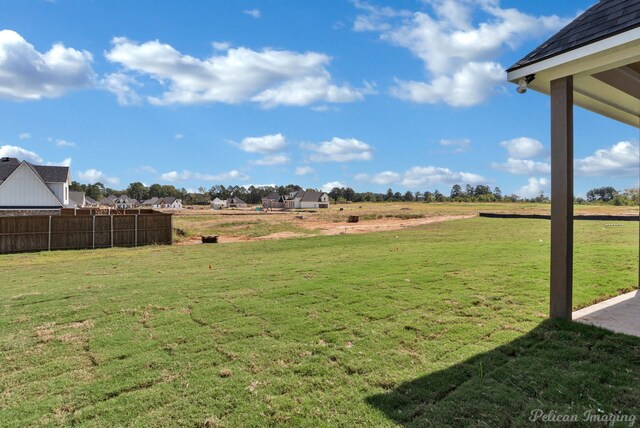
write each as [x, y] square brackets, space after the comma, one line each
[235, 225]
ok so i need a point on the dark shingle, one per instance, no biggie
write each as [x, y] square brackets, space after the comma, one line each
[52, 174]
[604, 19]
[7, 166]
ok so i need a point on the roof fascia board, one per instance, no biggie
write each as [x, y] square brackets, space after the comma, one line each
[618, 44]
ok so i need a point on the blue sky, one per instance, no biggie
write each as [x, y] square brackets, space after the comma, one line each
[407, 94]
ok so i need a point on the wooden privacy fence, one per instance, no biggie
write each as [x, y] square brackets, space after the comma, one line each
[66, 232]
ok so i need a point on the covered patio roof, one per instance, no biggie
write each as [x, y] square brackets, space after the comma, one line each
[594, 62]
[600, 49]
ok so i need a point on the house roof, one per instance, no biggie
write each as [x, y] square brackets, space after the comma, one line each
[150, 201]
[168, 200]
[48, 174]
[273, 195]
[90, 201]
[312, 196]
[235, 200]
[604, 19]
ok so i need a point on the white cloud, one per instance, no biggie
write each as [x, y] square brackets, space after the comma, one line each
[64, 162]
[266, 144]
[65, 143]
[304, 170]
[327, 187]
[430, 175]
[24, 136]
[26, 74]
[534, 188]
[422, 176]
[523, 167]
[221, 46]
[94, 176]
[20, 153]
[269, 77]
[178, 136]
[272, 160]
[470, 85]
[523, 147]
[383, 178]
[622, 159]
[458, 54]
[255, 13]
[175, 176]
[339, 150]
[120, 85]
[461, 145]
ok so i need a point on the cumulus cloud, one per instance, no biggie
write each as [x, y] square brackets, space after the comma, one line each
[458, 54]
[61, 143]
[272, 160]
[24, 136]
[26, 74]
[339, 150]
[523, 167]
[523, 147]
[461, 145]
[96, 176]
[266, 144]
[269, 77]
[422, 176]
[120, 84]
[383, 178]
[175, 176]
[254, 13]
[221, 46]
[327, 187]
[148, 169]
[20, 153]
[178, 136]
[622, 159]
[534, 188]
[304, 170]
[64, 162]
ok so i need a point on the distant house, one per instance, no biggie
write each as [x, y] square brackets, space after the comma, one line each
[235, 202]
[168, 202]
[149, 203]
[218, 203]
[90, 202]
[309, 199]
[273, 200]
[77, 199]
[109, 201]
[124, 202]
[27, 186]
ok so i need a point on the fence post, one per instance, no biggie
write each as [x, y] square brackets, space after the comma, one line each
[49, 244]
[136, 231]
[93, 243]
[111, 230]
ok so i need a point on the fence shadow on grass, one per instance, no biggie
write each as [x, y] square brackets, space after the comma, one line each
[559, 368]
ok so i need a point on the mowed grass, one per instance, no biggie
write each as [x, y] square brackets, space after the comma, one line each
[433, 326]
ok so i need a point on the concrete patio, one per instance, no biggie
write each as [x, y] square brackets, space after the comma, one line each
[620, 314]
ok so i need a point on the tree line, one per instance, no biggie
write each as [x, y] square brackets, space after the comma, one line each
[254, 195]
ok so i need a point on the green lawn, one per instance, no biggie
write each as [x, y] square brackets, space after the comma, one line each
[433, 326]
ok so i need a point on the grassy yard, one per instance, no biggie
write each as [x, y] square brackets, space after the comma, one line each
[433, 326]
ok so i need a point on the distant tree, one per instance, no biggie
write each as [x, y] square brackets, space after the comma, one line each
[498, 193]
[469, 190]
[397, 196]
[76, 187]
[428, 197]
[408, 196]
[456, 191]
[137, 191]
[155, 190]
[439, 197]
[389, 195]
[604, 194]
[481, 190]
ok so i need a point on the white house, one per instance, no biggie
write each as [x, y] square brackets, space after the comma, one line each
[124, 202]
[307, 200]
[27, 186]
[168, 202]
[218, 203]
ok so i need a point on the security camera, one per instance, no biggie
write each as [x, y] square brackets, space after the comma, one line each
[523, 84]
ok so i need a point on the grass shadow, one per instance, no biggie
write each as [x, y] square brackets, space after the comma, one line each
[559, 368]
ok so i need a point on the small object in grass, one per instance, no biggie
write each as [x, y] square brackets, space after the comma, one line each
[341, 209]
[209, 265]
[180, 232]
[226, 373]
[300, 217]
[353, 219]
[209, 239]
[348, 344]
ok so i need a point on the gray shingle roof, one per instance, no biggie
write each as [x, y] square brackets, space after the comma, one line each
[7, 166]
[311, 196]
[52, 174]
[604, 19]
